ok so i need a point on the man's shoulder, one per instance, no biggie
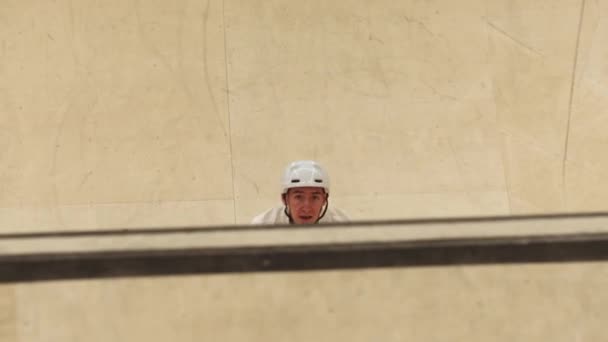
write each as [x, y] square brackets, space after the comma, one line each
[271, 216]
[334, 215]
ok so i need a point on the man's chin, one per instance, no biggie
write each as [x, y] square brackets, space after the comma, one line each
[305, 219]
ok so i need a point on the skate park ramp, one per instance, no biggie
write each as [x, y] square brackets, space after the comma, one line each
[117, 117]
[526, 278]
[142, 114]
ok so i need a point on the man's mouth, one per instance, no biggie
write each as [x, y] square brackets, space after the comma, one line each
[305, 217]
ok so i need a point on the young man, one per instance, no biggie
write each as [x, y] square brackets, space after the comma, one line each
[305, 197]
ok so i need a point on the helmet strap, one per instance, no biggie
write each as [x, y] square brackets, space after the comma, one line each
[286, 209]
[324, 208]
[288, 214]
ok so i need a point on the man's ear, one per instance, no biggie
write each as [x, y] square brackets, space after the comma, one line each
[284, 198]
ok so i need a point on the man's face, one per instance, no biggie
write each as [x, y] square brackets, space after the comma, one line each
[305, 204]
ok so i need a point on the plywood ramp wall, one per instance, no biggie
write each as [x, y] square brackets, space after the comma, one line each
[162, 113]
[477, 303]
[118, 114]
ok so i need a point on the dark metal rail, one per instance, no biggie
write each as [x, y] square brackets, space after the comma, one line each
[431, 252]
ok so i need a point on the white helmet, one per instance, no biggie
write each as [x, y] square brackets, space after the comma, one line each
[304, 173]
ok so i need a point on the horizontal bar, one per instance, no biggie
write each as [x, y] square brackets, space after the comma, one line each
[33, 267]
[354, 225]
[317, 235]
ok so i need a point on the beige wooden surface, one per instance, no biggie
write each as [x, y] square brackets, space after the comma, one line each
[131, 114]
[565, 302]
[119, 114]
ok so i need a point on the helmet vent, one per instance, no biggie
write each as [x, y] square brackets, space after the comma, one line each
[318, 181]
[295, 181]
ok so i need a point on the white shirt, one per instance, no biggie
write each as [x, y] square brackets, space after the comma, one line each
[277, 215]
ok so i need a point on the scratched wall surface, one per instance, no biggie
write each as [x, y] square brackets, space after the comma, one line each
[130, 114]
[586, 162]
[113, 114]
[389, 95]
